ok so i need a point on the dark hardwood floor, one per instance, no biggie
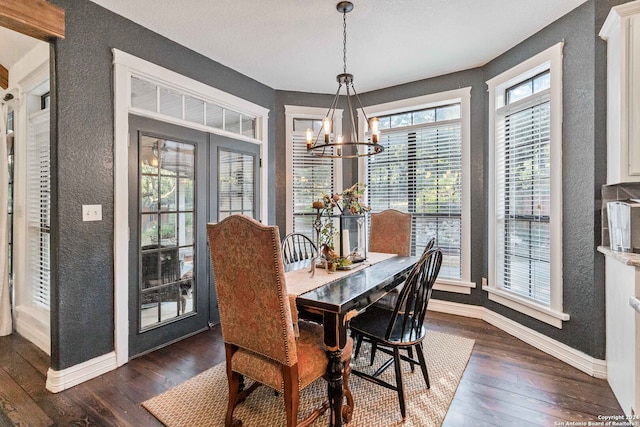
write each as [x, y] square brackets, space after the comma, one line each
[506, 383]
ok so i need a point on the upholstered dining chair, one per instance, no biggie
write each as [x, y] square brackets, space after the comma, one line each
[297, 247]
[403, 327]
[257, 318]
[390, 232]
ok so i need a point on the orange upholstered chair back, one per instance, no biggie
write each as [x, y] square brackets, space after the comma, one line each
[390, 232]
[252, 297]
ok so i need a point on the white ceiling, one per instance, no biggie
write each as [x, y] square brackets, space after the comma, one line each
[297, 44]
[13, 46]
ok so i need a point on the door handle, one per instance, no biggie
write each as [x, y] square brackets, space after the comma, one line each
[635, 303]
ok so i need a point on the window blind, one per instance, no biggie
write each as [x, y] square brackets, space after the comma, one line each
[152, 97]
[39, 207]
[523, 177]
[236, 177]
[420, 172]
[311, 177]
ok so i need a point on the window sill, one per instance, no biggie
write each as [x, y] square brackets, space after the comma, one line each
[541, 313]
[455, 286]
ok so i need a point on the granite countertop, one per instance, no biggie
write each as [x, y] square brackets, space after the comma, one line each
[627, 258]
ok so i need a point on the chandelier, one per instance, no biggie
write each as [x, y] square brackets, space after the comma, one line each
[340, 147]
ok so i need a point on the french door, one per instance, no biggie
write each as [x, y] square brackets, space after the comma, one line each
[180, 179]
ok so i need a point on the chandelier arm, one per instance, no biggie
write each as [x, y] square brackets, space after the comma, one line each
[319, 151]
[334, 106]
[334, 103]
[366, 119]
[353, 136]
[330, 112]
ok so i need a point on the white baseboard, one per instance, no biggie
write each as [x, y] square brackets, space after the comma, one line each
[465, 310]
[587, 364]
[33, 325]
[58, 381]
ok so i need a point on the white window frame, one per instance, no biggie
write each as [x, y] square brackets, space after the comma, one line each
[293, 112]
[462, 96]
[31, 75]
[125, 66]
[550, 59]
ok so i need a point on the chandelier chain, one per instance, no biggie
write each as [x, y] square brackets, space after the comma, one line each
[344, 41]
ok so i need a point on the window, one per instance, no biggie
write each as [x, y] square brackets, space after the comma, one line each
[10, 159]
[38, 207]
[307, 176]
[155, 98]
[10, 207]
[424, 170]
[525, 195]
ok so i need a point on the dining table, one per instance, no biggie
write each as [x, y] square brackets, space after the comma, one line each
[333, 298]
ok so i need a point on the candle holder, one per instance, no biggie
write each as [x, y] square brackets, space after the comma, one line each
[345, 234]
[353, 237]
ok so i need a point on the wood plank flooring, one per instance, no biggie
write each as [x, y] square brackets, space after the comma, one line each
[506, 383]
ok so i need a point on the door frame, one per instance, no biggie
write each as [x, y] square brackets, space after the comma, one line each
[161, 333]
[125, 66]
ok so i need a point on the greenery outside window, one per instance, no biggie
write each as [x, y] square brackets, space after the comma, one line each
[424, 170]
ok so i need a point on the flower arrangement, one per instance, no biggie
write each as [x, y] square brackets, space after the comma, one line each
[348, 202]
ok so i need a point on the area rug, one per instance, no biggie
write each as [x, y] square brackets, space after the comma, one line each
[202, 400]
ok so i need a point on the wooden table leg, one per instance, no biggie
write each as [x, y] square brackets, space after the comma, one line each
[335, 338]
[334, 388]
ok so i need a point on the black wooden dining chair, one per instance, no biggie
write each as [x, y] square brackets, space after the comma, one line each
[388, 302]
[297, 247]
[403, 327]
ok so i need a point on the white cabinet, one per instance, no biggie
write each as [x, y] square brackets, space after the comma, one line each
[623, 365]
[621, 30]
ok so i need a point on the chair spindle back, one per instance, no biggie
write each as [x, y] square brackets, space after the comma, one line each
[297, 247]
[411, 306]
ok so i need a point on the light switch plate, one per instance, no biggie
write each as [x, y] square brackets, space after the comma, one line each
[92, 212]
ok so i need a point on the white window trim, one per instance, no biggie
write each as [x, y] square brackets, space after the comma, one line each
[550, 59]
[300, 112]
[125, 66]
[463, 96]
[31, 321]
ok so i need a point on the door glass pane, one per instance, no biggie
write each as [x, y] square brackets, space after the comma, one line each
[186, 194]
[236, 179]
[167, 230]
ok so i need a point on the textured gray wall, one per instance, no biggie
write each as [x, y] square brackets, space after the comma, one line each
[584, 166]
[82, 288]
[584, 171]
